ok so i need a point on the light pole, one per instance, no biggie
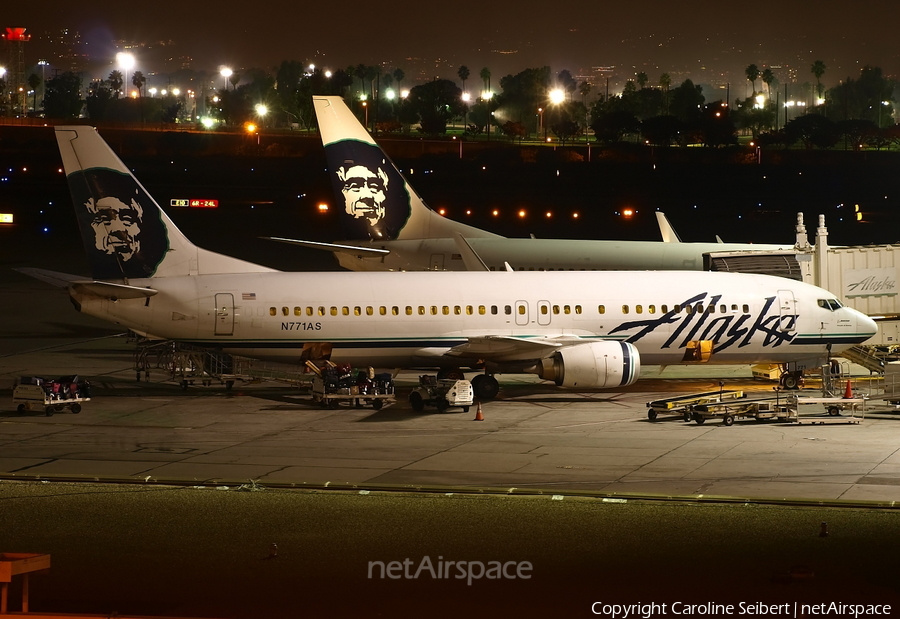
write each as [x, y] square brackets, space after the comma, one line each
[225, 72]
[540, 122]
[126, 63]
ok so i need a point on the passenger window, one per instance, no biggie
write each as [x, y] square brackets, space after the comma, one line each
[734, 308]
[345, 310]
[624, 309]
[544, 309]
[699, 308]
[710, 309]
[285, 311]
[321, 311]
[567, 309]
[507, 309]
[481, 310]
[457, 310]
[521, 310]
[434, 310]
[638, 309]
[664, 309]
[369, 310]
[273, 311]
[395, 310]
[445, 310]
[309, 311]
[469, 310]
[409, 311]
[723, 309]
[421, 310]
[651, 309]
[357, 311]
[746, 309]
[688, 309]
[333, 311]
[382, 310]
[601, 309]
[578, 307]
[494, 310]
[555, 309]
[298, 311]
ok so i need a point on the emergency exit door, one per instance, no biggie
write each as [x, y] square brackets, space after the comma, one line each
[224, 313]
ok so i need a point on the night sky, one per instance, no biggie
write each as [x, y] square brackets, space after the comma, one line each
[709, 42]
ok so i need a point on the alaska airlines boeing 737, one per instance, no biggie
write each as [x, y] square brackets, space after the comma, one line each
[579, 329]
[389, 227]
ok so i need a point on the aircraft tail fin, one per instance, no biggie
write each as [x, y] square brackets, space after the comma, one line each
[125, 232]
[666, 230]
[375, 201]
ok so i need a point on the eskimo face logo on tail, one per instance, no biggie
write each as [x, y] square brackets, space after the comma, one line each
[375, 198]
[119, 223]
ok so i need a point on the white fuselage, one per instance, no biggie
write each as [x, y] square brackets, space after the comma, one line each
[412, 319]
[442, 254]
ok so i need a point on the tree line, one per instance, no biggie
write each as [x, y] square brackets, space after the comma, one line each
[858, 110]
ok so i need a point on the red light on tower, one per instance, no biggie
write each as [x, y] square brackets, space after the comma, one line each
[17, 34]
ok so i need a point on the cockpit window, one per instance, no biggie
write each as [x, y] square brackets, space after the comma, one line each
[830, 304]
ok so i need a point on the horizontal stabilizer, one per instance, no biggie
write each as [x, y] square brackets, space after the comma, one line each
[374, 251]
[82, 285]
[113, 291]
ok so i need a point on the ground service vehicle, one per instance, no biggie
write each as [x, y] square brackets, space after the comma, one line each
[441, 393]
[34, 393]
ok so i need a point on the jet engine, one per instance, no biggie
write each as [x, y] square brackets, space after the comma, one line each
[598, 364]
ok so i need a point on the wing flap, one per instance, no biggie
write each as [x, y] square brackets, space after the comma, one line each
[502, 348]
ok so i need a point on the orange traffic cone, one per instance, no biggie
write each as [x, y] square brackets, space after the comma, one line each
[848, 392]
[478, 415]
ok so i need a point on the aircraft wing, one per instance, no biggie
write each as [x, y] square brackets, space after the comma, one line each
[372, 251]
[501, 348]
[79, 284]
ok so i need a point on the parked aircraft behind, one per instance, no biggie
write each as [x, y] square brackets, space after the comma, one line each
[578, 329]
[389, 227]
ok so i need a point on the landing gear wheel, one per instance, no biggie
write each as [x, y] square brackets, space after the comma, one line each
[651, 415]
[485, 387]
[728, 420]
[76, 408]
[790, 381]
[416, 402]
[451, 374]
[377, 404]
[834, 411]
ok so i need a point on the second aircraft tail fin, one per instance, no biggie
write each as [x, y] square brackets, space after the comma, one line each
[375, 201]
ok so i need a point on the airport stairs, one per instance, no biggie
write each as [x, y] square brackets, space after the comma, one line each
[866, 357]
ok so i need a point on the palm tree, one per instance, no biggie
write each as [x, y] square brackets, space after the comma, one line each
[485, 75]
[642, 79]
[360, 73]
[463, 73]
[234, 79]
[818, 69]
[752, 73]
[115, 81]
[33, 82]
[138, 80]
[768, 77]
[398, 77]
[665, 80]
[584, 90]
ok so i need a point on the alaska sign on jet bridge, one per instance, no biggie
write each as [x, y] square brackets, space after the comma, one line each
[865, 277]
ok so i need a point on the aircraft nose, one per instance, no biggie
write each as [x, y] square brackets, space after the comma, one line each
[865, 324]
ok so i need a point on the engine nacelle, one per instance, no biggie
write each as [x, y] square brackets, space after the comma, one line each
[598, 364]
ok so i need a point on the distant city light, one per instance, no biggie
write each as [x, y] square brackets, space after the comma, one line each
[627, 212]
[495, 212]
[522, 213]
[323, 208]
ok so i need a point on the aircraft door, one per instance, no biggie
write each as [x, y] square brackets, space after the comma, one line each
[787, 310]
[437, 262]
[544, 315]
[522, 313]
[224, 313]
